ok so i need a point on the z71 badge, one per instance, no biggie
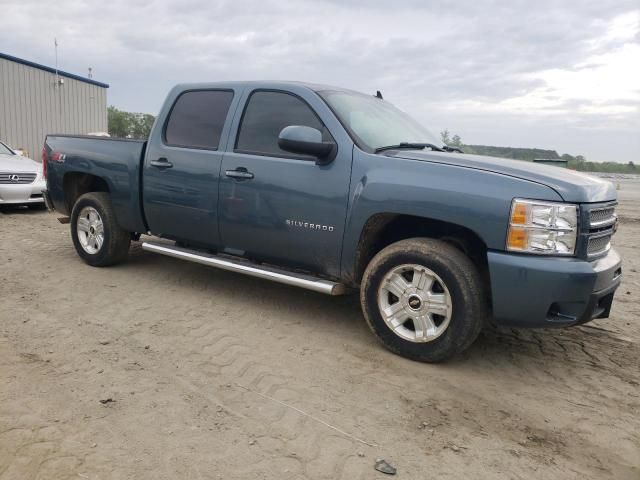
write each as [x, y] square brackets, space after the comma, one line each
[310, 226]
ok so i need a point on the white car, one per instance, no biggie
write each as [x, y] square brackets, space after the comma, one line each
[21, 179]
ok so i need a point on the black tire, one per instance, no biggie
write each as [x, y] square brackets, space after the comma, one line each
[469, 309]
[115, 247]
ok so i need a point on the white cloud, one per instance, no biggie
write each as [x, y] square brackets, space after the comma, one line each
[605, 83]
[582, 106]
[497, 71]
[624, 27]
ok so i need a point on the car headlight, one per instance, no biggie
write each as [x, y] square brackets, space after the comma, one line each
[546, 228]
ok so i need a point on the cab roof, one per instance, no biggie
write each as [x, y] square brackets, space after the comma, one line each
[275, 84]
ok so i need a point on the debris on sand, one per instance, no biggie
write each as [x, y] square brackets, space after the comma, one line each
[384, 467]
[454, 448]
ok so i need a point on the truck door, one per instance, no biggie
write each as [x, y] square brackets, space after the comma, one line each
[280, 207]
[182, 166]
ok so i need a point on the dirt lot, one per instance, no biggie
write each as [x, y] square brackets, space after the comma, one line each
[209, 374]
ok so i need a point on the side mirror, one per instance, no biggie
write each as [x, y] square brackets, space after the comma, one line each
[307, 141]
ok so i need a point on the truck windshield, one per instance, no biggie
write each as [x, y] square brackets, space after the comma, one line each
[375, 123]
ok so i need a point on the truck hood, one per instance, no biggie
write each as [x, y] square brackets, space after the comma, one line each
[16, 163]
[572, 186]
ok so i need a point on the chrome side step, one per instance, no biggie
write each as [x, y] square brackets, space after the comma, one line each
[269, 273]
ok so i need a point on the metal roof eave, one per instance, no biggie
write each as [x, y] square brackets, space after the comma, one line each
[52, 70]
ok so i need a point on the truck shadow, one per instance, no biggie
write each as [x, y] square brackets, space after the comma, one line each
[585, 348]
[23, 209]
[588, 346]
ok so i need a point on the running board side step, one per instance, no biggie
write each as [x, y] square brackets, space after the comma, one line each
[269, 273]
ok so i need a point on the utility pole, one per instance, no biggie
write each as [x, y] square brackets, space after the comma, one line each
[56, 89]
[55, 46]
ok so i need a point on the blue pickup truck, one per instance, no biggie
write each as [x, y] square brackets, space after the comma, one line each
[337, 191]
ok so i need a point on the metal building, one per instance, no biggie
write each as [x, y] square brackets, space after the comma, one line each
[36, 100]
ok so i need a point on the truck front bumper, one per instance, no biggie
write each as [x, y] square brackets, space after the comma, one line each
[534, 291]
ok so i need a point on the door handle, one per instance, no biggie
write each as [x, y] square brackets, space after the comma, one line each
[240, 173]
[162, 162]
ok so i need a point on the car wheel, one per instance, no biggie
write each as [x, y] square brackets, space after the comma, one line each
[424, 299]
[96, 235]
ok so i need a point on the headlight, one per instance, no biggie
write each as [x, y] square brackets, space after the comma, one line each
[542, 227]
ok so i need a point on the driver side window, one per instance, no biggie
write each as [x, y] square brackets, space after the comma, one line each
[265, 115]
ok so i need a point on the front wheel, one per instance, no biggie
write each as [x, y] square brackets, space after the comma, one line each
[424, 299]
[96, 235]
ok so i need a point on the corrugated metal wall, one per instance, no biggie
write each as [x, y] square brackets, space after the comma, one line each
[31, 106]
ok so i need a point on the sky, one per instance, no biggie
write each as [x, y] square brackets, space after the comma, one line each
[556, 74]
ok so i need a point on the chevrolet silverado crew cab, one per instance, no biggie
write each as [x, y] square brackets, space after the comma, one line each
[337, 191]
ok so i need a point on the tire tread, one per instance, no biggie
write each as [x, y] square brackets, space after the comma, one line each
[117, 240]
[471, 289]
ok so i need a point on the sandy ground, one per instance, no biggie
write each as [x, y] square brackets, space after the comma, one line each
[209, 374]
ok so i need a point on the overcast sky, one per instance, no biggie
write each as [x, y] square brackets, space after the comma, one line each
[562, 74]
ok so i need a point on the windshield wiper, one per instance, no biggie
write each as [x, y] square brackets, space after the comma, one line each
[408, 145]
[447, 148]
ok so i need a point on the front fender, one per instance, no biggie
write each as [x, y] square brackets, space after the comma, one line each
[477, 200]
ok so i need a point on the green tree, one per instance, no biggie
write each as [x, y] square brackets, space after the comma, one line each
[118, 122]
[453, 141]
[141, 125]
[129, 125]
[456, 141]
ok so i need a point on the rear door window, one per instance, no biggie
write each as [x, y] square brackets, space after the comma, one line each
[197, 119]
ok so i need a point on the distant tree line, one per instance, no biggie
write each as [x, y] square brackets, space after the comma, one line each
[128, 124]
[578, 162]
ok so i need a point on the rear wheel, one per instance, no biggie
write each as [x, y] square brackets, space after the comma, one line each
[424, 299]
[96, 235]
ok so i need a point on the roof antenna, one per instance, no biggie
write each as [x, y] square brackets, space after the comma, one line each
[378, 94]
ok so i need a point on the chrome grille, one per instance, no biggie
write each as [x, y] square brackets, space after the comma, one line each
[600, 227]
[16, 178]
[600, 217]
[598, 245]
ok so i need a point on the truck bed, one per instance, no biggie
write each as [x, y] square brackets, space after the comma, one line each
[117, 162]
